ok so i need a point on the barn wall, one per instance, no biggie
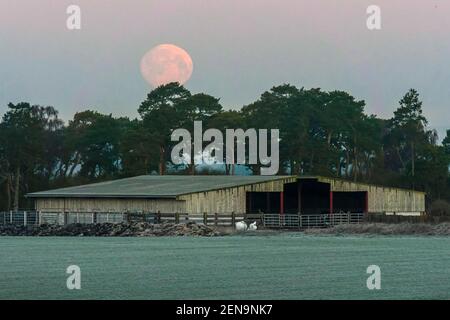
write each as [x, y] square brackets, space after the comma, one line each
[228, 200]
[111, 205]
[384, 199]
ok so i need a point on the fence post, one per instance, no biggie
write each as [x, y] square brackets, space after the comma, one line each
[177, 218]
[205, 218]
[25, 218]
[216, 219]
[233, 219]
[10, 217]
[78, 217]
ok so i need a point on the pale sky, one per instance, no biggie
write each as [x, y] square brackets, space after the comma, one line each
[239, 48]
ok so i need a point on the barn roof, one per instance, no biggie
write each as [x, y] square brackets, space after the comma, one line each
[151, 186]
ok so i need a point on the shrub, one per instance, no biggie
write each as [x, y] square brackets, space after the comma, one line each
[440, 208]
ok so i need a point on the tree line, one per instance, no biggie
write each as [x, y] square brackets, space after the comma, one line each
[321, 133]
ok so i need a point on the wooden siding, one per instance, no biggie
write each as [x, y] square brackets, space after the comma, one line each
[110, 205]
[383, 199]
[230, 199]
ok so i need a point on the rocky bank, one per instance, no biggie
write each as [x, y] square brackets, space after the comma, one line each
[420, 229]
[138, 229]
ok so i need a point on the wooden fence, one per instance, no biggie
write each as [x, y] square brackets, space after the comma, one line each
[63, 218]
[298, 221]
[275, 220]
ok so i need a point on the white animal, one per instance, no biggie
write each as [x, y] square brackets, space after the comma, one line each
[252, 226]
[241, 226]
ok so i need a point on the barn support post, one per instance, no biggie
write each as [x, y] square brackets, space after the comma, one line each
[366, 204]
[331, 202]
[299, 198]
[281, 202]
[159, 216]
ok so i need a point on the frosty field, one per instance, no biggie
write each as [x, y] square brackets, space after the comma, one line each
[282, 266]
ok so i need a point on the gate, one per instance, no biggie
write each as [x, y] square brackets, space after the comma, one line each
[298, 221]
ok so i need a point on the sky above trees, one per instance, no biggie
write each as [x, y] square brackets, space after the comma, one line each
[239, 49]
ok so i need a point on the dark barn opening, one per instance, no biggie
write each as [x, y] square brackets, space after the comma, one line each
[309, 197]
[315, 197]
[353, 202]
[267, 202]
[291, 198]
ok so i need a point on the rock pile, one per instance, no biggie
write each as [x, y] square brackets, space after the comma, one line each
[137, 229]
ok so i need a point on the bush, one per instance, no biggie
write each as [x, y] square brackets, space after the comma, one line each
[440, 208]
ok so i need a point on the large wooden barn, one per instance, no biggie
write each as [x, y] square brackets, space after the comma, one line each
[227, 194]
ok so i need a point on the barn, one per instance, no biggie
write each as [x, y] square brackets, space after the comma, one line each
[307, 195]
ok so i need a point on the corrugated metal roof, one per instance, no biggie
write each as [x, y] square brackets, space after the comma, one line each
[154, 186]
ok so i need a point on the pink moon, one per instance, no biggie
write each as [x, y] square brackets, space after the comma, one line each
[166, 63]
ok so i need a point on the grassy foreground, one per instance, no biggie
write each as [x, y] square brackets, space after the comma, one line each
[282, 266]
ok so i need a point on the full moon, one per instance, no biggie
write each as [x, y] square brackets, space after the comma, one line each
[166, 63]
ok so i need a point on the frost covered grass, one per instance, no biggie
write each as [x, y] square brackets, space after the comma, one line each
[277, 266]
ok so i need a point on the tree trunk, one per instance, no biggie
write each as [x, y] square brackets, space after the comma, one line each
[413, 165]
[17, 190]
[162, 165]
[8, 192]
[412, 159]
[329, 138]
[338, 167]
[347, 164]
[75, 164]
[400, 158]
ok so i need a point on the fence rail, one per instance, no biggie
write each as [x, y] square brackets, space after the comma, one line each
[19, 217]
[298, 221]
[63, 218]
[268, 220]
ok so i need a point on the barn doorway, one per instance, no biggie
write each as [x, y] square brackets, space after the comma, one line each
[267, 202]
[350, 202]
